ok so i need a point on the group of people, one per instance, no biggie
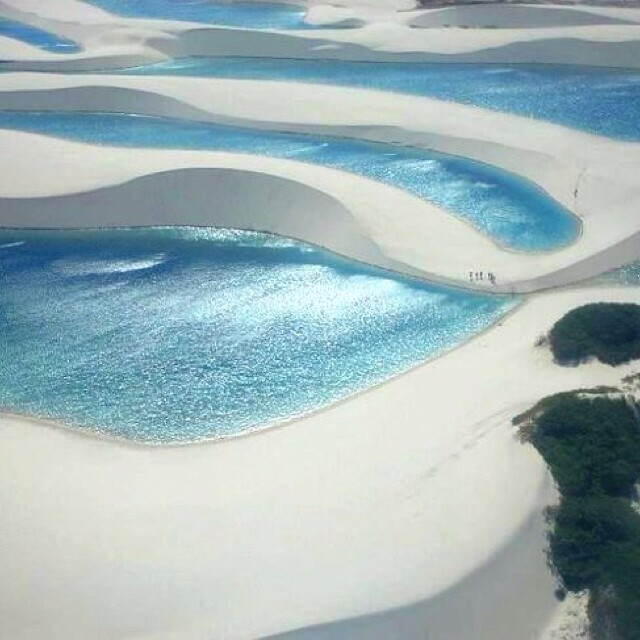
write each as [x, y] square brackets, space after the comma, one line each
[479, 275]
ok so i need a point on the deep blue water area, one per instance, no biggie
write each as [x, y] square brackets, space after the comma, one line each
[174, 335]
[602, 101]
[509, 209]
[36, 37]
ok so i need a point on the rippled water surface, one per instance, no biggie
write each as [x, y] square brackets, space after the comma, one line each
[175, 335]
[249, 15]
[36, 37]
[509, 209]
[600, 101]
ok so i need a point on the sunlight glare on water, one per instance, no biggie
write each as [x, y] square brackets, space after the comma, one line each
[177, 335]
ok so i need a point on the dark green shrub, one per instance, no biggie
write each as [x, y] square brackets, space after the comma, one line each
[609, 332]
[589, 535]
[592, 446]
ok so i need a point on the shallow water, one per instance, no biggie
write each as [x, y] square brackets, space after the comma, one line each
[246, 15]
[36, 37]
[601, 101]
[628, 275]
[176, 335]
[504, 206]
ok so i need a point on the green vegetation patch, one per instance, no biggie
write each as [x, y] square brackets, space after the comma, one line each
[592, 446]
[609, 332]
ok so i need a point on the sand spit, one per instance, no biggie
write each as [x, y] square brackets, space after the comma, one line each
[213, 197]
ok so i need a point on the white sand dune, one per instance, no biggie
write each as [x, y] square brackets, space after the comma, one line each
[406, 229]
[411, 508]
[353, 216]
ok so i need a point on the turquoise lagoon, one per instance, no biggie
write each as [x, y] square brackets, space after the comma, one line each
[36, 37]
[245, 15]
[174, 335]
[600, 101]
[509, 209]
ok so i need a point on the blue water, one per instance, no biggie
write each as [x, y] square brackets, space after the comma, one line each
[175, 335]
[36, 37]
[601, 101]
[231, 14]
[509, 209]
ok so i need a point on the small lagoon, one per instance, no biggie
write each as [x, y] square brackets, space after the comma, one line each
[174, 335]
[507, 208]
[596, 100]
[36, 37]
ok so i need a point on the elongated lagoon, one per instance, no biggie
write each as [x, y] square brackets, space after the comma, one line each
[247, 15]
[601, 101]
[36, 37]
[176, 335]
[509, 209]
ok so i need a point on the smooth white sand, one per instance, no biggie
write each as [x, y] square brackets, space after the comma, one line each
[413, 492]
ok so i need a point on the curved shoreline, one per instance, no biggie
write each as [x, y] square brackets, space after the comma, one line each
[516, 183]
[158, 169]
[102, 434]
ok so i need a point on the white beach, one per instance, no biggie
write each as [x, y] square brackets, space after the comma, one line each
[409, 509]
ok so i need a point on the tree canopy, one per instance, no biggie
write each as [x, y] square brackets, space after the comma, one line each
[592, 446]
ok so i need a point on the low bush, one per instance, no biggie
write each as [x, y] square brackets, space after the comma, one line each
[609, 332]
